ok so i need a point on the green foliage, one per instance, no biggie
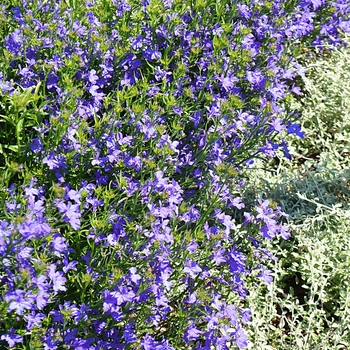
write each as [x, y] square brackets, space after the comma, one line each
[20, 113]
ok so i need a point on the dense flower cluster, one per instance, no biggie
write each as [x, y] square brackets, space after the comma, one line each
[123, 226]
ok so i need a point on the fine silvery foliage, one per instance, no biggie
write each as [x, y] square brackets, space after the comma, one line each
[306, 306]
[325, 106]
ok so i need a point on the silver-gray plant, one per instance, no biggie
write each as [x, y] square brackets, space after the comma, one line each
[307, 306]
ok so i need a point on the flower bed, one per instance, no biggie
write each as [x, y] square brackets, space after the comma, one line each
[126, 126]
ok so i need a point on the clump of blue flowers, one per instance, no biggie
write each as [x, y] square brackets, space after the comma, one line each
[127, 125]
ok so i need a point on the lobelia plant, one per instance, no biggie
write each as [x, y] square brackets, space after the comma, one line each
[127, 229]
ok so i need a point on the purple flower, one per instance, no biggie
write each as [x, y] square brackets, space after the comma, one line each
[295, 129]
[58, 244]
[161, 74]
[192, 215]
[94, 202]
[57, 279]
[269, 149]
[196, 118]
[71, 336]
[164, 278]
[266, 275]
[237, 202]
[93, 77]
[249, 42]
[130, 62]
[17, 301]
[31, 229]
[192, 333]
[270, 229]
[50, 342]
[134, 276]
[344, 25]
[84, 344]
[52, 83]
[123, 294]
[17, 15]
[226, 220]
[246, 315]
[228, 82]
[71, 213]
[12, 338]
[129, 333]
[192, 247]
[55, 161]
[236, 261]
[14, 41]
[244, 11]
[152, 91]
[33, 320]
[24, 253]
[277, 124]
[137, 43]
[219, 256]
[81, 313]
[278, 91]
[151, 55]
[133, 162]
[284, 230]
[36, 144]
[192, 298]
[74, 195]
[69, 265]
[148, 343]
[256, 79]
[96, 92]
[161, 212]
[42, 298]
[241, 339]
[41, 282]
[161, 299]
[214, 109]
[286, 150]
[296, 90]
[192, 268]
[5, 86]
[264, 211]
